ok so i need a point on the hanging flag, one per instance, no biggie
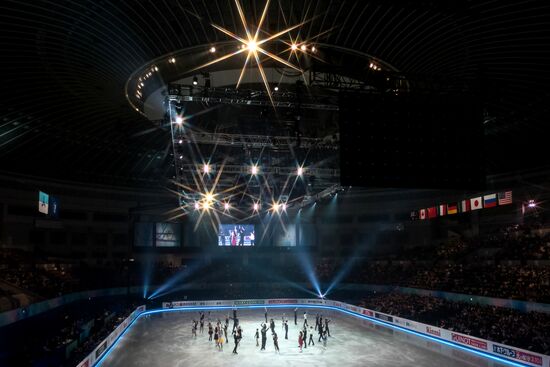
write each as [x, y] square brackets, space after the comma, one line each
[53, 210]
[432, 212]
[414, 215]
[43, 202]
[452, 208]
[476, 203]
[442, 210]
[490, 200]
[505, 198]
[422, 214]
[465, 206]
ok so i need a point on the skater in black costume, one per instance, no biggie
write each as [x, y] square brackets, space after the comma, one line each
[305, 337]
[264, 336]
[316, 321]
[257, 337]
[210, 332]
[238, 336]
[276, 342]
[286, 329]
[295, 316]
[272, 326]
[326, 326]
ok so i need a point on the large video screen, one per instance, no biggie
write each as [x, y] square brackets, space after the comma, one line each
[236, 235]
[285, 236]
[160, 234]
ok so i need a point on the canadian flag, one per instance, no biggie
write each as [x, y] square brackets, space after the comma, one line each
[476, 203]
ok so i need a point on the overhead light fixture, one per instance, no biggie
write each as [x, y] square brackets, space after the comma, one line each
[313, 49]
[254, 170]
[284, 207]
[197, 206]
[195, 80]
[212, 49]
[275, 207]
[256, 207]
[206, 168]
[294, 47]
[276, 89]
[226, 206]
[300, 171]
[179, 120]
[303, 47]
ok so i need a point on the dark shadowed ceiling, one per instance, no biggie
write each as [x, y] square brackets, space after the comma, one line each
[64, 64]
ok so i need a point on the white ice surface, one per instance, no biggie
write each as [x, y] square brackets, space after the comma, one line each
[165, 340]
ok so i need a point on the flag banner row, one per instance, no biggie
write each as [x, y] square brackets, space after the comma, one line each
[463, 206]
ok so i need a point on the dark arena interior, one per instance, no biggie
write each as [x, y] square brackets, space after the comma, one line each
[274, 183]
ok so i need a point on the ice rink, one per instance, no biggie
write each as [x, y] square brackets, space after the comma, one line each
[164, 339]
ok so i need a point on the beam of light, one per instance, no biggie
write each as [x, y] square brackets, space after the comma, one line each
[310, 273]
[175, 279]
[347, 267]
[147, 272]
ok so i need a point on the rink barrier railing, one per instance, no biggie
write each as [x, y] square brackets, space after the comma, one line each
[107, 343]
[490, 351]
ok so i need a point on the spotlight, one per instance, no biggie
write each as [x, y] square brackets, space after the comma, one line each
[276, 89]
[179, 120]
[313, 49]
[226, 206]
[300, 171]
[254, 170]
[275, 207]
[531, 203]
[283, 207]
[197, 206]
[206, 168]
[180, 141]
[195, 80]
[206, 205]
[156, 69]
[172, 60]
[294, 47]
[212, 49]
[256, 207]
[252, 46]
[303, 47]
[209, 197]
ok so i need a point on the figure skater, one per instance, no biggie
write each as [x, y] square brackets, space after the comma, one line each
[264, 336]
[300, 341]
[276, 342]
[295, 316]
[286, 330]
[305, 337]
[257, 336]
[210, 332]
[305, 319]
[311, 338]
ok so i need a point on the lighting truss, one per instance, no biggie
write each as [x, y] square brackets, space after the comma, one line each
[282, 171]
[182, 93]
[252, 141]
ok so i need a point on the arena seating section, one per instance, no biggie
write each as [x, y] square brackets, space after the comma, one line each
[513, 262]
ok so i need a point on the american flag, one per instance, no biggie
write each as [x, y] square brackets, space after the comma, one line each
[505, 198]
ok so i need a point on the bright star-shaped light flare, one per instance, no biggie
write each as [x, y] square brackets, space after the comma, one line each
[253, 46]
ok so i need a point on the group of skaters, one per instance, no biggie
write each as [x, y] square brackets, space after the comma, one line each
[218, 331]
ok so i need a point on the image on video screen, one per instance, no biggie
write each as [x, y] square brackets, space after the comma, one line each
[236, 235]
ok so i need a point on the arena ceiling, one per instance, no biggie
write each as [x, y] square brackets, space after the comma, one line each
[64, 66]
